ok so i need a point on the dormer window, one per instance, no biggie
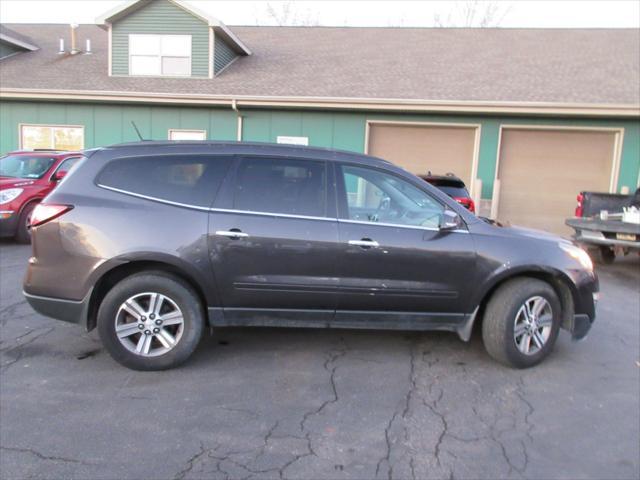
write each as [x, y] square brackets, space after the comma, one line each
[160, 55]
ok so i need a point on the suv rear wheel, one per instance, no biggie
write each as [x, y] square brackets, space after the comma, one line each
[521, 322]
[151, 321]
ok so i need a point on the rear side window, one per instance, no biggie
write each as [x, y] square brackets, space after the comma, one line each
[285, 186]
[192, 180]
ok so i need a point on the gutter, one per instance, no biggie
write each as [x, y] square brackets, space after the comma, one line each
[334, 103]
[234, 106]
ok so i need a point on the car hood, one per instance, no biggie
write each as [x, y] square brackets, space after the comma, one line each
[10, 182]
[516, 231]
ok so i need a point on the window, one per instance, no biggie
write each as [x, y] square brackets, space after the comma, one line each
[25, 166]
[175, 134]
[192, 180]
[56, 137]
[67, 164]
[293, 187]
[168, 55]
[377, 197]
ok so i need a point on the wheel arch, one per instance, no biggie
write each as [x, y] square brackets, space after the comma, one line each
[561, 283]
[108, 278]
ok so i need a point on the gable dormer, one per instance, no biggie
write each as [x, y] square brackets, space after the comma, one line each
[13, 43]
[168, 38]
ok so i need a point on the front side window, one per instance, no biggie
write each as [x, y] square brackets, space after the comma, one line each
[177, 134]
[55, 137]
[191, 180]
[25, 166]
[284, 186]
[168, 55]
[376, 197]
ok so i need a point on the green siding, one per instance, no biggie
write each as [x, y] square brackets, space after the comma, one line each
[109, 124]
[161, 17]
[7, 49]
[223, 55]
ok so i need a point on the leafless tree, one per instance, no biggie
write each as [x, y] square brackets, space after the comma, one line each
[473, 13]
[288, 13]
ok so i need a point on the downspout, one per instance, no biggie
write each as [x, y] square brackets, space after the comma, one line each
[234, 106]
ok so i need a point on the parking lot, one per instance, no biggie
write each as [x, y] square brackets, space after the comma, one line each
[276, 403]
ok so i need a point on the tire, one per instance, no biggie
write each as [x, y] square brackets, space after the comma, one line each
[506, 309]
[177, 303]
[23, 234]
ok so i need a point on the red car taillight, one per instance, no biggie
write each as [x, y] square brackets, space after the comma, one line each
[46, 212]
[467, 203]
[579, 209]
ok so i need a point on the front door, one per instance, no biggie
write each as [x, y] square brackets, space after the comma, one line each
[273, 246]
[393, 256]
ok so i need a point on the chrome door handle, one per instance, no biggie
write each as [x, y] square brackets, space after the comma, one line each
[364, 243]
[232, 234]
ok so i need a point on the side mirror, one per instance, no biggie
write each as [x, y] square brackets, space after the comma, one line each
[59, 175]
[450, 221]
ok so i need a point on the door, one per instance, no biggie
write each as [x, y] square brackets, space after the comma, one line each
[393, 256]
[542, 171]
[419, 149]
[273, 243]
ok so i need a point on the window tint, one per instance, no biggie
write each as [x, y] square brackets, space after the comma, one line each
[293, 187]
[376, 197]
[193, 180]
[68, 164]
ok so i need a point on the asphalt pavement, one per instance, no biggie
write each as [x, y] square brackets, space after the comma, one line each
[319, 404]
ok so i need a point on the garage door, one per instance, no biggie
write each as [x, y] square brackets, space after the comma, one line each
[542, 171]
[419, 149]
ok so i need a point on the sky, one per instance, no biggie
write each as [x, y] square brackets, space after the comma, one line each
[504, 13]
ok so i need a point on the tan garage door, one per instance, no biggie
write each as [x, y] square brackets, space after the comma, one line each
[542, 171]
[423, 148]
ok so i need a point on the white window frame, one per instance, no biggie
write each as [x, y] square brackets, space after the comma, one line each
[160, 56]
[187, 130]
[52, 127]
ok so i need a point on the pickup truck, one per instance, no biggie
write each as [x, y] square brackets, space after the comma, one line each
[599, 225]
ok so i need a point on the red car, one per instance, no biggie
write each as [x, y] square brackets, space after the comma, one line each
[26, 177]
[452, 186]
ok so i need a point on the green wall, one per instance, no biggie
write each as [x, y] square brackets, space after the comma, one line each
[109, 124]
[223, 55]
[161, 17]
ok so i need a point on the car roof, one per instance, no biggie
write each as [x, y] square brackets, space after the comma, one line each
[449, 177]
[45, 153]
[248, 148]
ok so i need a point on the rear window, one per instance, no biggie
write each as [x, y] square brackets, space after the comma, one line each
[25, 166]
[453, 188]
[192, 180]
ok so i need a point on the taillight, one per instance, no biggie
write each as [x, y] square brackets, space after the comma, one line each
[579, 207]
[467, 203]
[46, 212]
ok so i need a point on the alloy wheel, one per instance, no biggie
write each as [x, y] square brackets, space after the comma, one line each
[149, 324]
[532, 326]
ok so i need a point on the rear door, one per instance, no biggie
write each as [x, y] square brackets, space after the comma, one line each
[273, 238]
[393, 257]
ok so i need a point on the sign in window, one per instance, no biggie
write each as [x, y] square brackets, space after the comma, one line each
[162, 55]
[178, 134]
[56, 137]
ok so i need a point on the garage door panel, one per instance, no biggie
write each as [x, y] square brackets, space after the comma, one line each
[542, 171]
[420, 149]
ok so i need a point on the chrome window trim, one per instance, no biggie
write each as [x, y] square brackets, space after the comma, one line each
[267, 214]
[412, 227]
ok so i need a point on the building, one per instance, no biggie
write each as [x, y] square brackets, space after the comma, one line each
[527, 117]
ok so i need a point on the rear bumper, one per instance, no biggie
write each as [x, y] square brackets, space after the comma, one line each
[72, 311]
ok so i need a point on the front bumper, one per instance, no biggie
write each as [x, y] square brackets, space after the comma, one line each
[72, 311]
[8, 223]
[582, 322]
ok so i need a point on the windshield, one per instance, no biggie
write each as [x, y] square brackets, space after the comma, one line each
[25, 166]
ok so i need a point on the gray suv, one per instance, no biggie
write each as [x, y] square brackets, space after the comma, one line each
[152, 242]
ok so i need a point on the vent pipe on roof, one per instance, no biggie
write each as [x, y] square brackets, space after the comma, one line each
[61, 48]
[87, 50]
[74, 47]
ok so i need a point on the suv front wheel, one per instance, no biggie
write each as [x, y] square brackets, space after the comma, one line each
[151, 321]
[521, 322]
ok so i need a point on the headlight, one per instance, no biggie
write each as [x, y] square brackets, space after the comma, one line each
[9, 194]
[579, 254]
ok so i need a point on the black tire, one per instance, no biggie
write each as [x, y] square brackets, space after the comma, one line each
[23, 234]
[171, 287]
[500, 317]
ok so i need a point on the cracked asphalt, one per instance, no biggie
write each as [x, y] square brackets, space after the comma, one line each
[310, 404]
